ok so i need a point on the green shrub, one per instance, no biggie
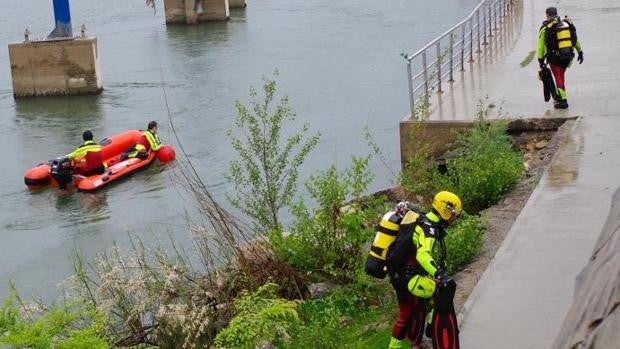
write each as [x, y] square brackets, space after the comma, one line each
[73, 326]
[329, 240]
[326, 322]
[8, 315]
[420, 174]
[463, 242]
[483, 167]
[260, 317]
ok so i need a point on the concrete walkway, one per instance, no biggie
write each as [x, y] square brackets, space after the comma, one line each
[591, 87]
[525, 293]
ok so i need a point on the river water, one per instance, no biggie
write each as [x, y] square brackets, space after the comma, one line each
[339, 62]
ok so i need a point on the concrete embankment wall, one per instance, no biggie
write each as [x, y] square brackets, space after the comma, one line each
[47, 68]
[440, 135]
[593, 320]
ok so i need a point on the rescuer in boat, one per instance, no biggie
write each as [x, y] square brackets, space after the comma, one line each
[149, 141]
[87, 158]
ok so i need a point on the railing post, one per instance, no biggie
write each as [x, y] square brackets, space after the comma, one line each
[484, 31]
[471, 41]
[490, 15]
[425, 70]
[495, 16]
[451, 57]
[439, 66]
[463, 48]
[410, 84]
[497, 13]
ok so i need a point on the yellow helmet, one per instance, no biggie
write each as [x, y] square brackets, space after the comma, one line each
[139, 147]
[447, 204]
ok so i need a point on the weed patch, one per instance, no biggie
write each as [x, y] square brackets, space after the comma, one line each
[70, 326]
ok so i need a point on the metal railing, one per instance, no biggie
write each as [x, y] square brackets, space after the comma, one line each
[435, 63]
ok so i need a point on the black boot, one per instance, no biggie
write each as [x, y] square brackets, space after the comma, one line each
[561, 104]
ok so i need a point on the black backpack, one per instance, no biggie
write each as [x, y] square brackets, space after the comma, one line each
[387, 232]
[402, 248]
[553, 38]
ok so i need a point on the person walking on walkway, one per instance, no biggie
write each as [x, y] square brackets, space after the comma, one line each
[414, 273]
[557, 40]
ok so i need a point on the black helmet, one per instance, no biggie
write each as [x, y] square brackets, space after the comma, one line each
[87, 135]
[551, 11]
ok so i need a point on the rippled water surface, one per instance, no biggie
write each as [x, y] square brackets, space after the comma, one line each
[338, 61]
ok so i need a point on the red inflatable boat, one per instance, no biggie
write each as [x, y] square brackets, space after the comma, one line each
[57, 172]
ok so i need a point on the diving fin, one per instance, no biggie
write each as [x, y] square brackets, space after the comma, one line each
[444, 326]
[417, 320]
[548, 84]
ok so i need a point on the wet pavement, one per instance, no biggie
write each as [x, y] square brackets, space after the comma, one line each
[517, 90]
[524, 295]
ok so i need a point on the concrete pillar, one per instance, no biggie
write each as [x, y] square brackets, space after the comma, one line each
[60, 67]
[175, 11]
[237, 3]
[212, 10]
[62, 19]
[192, 12]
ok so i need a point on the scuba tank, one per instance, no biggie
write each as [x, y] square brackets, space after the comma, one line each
[386, 233]
[384, 237]
[561, 37]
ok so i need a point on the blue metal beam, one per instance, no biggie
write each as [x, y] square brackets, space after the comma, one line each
[62, 16]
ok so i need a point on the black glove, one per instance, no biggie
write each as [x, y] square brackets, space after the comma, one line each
[541, 63]
[442, 278]
[580, 57]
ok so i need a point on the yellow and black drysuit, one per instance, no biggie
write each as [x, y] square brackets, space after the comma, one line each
[413, 272]
[557, 40]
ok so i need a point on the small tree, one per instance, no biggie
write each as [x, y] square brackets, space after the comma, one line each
[265, 174]
[328, 241]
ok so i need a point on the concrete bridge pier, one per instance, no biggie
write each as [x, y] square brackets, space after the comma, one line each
[237, 3]
[60, 65]
[51, 68]
[195, 11]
